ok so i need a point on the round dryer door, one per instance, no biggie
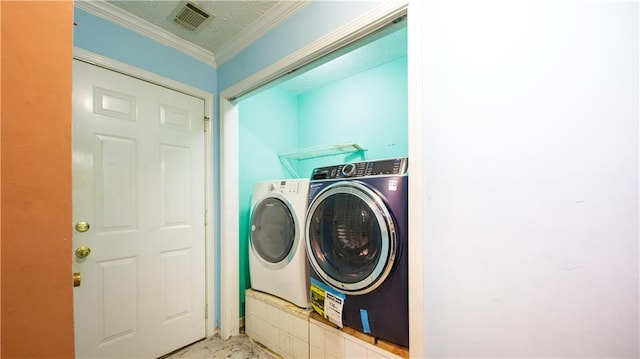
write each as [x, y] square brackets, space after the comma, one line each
[351, 237]
[273, 231]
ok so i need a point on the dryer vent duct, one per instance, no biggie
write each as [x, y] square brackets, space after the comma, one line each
[190, 16]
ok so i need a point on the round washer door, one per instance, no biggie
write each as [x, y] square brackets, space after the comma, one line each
[273, 232]
[351, 237]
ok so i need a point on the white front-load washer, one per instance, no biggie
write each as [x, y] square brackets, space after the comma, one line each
[277, 254]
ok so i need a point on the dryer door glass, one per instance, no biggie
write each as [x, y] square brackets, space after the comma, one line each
[351, 241]
[272, 230]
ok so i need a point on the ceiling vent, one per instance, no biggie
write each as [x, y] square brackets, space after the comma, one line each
[190, 16]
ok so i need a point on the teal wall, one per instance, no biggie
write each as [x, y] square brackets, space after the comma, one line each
[368, 108]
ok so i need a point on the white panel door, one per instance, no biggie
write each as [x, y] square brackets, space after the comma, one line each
[138, 181]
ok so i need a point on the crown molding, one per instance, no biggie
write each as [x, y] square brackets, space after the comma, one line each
[116, 15]
[270, 19]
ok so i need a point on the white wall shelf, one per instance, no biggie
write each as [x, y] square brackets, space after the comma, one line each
[315, 152]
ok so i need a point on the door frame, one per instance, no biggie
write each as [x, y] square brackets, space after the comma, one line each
[207, 97]
[229, 155]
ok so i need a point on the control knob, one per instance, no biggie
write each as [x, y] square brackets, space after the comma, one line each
[348, 170]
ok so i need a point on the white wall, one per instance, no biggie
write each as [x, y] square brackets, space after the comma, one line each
[530, 137]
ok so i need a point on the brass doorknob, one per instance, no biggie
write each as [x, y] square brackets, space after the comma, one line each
[82, 226]
[83, 252]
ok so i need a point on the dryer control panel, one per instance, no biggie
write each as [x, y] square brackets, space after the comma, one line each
[396, 166]
[286, 187]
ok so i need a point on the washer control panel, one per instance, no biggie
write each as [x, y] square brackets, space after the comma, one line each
[396, 166]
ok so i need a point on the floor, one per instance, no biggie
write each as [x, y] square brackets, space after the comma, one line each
[237, 347]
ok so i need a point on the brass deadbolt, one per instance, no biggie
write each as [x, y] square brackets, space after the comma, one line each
[77, 277]
[82, 226]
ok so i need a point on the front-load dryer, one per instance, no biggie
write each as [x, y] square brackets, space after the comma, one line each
[356, 241]
[277, 257]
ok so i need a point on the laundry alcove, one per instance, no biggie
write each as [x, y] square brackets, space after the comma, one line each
[350, 105]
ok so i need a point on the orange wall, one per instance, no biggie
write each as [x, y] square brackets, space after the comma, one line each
[37, 298]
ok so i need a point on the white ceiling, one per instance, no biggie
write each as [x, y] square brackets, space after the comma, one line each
[233, 26]
[229, 19]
